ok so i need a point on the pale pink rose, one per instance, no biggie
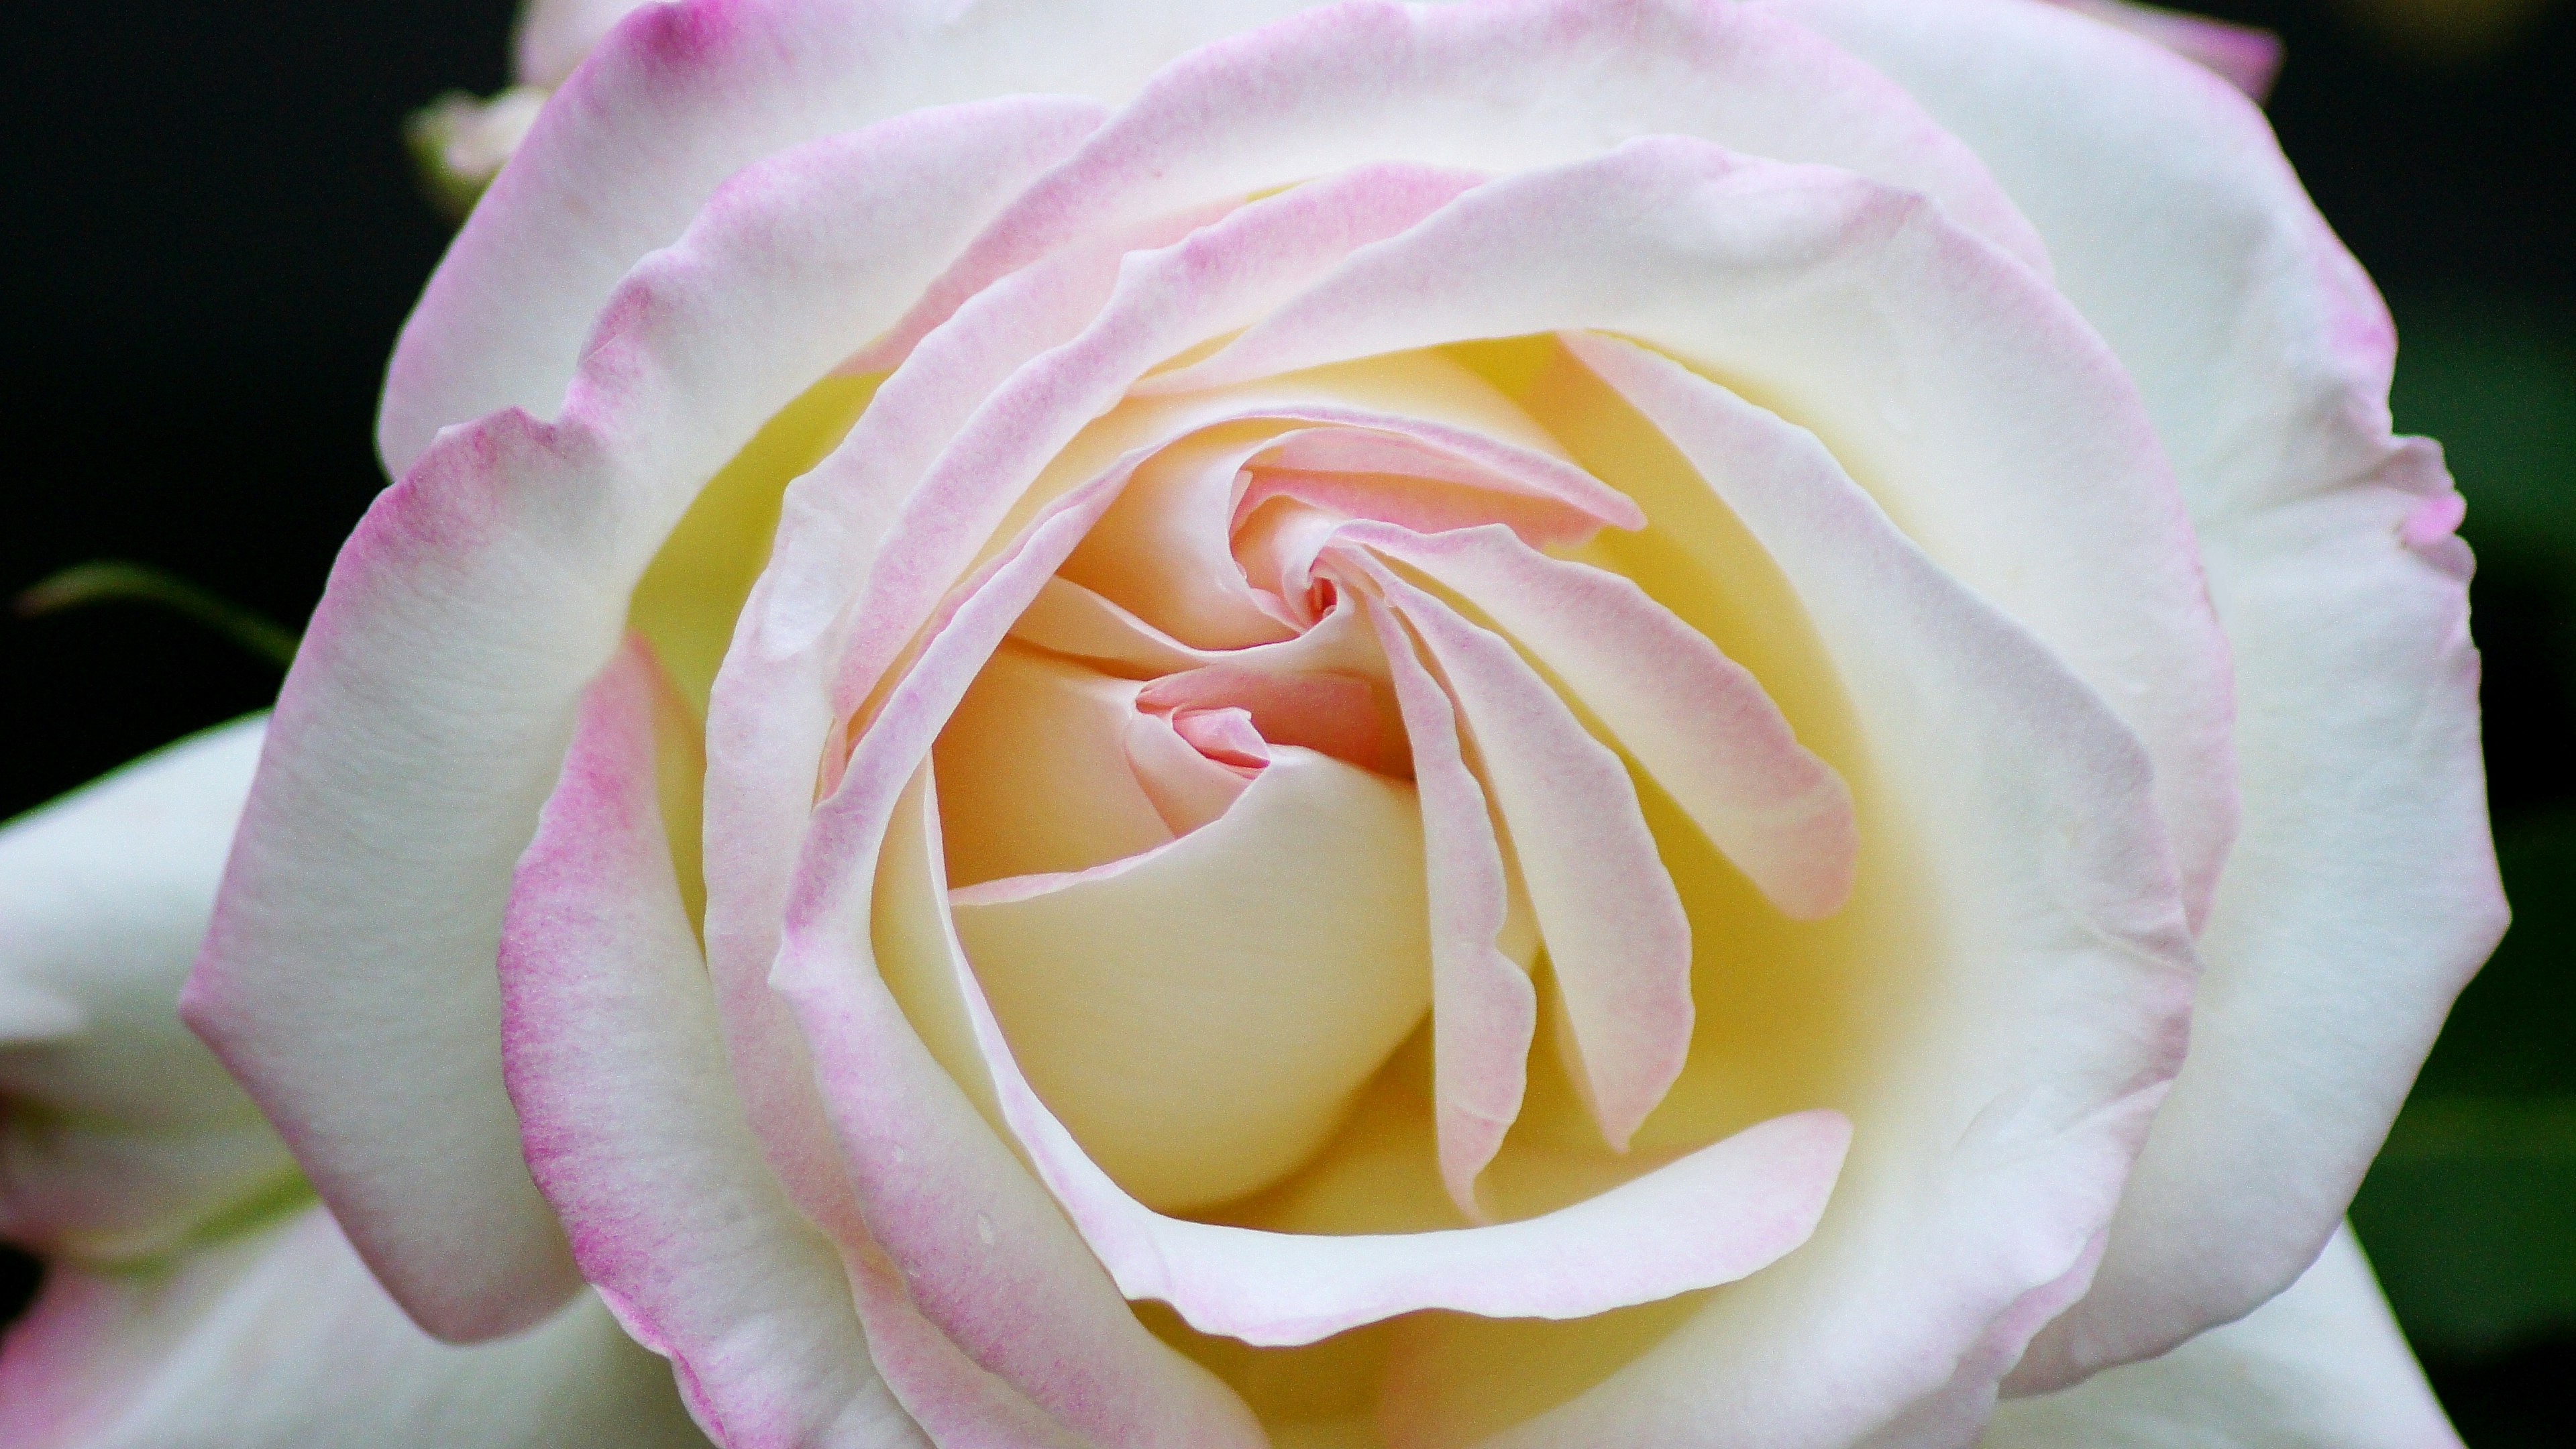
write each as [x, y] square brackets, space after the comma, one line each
[1546, 722]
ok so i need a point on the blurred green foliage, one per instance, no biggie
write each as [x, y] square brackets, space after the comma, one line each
[2470, 1210]
[2494, 377]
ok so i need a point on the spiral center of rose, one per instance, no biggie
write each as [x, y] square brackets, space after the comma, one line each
[1232, 813]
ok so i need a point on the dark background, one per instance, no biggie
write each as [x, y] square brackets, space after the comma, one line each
[218, 234]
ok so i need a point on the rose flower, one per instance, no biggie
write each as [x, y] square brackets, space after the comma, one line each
[1538, 722]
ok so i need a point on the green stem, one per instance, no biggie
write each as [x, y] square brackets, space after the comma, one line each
[112, 580]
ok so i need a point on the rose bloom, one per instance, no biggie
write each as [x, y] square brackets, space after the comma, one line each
[1539, 722]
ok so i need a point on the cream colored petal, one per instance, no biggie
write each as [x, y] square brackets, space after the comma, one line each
[1070, 619]
[1161, 550]
[1034, 772]
[1201, 1017]
[1176, 771]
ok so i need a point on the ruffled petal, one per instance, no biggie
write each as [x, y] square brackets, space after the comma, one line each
[1367, 82]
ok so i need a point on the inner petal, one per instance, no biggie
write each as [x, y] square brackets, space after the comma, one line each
[1161, 550]
[1414, 439]
[1343, 713]
[1615, 930]
[1068, 619]
[1037, 772]
[1199, 996]
[1194, 763]
[1201, 1018]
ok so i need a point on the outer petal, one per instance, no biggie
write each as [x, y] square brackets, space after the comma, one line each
[429, 708]
[678, 98]
[1494, 87]
[118, 1131]
[633, 1130]
[2059, 981]
[2362, 892]
[2320, 1367]
[279, 1339]
[1697, 721]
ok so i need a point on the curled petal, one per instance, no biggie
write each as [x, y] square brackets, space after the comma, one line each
[1202, 1017]
[1194, 765]
[1330, 712]
[1616, 937]
[1711, 1217]
[1072, 620]
[1696, 721]
[1040, 750]
[1484, 1012]
[615, 1063]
